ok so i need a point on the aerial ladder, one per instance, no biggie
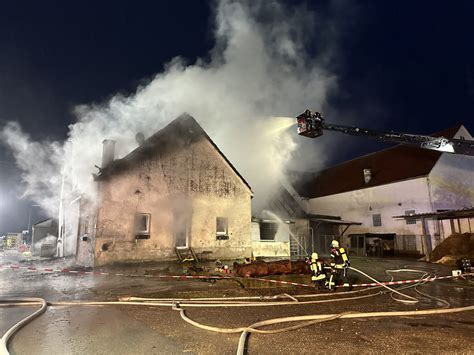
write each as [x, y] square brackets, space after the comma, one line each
[311, 124]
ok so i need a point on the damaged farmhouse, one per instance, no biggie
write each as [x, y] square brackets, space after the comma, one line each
[177, 195]
[176, 191]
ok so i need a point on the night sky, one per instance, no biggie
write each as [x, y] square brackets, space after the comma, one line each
[406, 66]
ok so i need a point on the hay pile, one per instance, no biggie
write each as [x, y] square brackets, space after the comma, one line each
[454, 248]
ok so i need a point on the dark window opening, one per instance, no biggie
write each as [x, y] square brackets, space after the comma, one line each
[142, 224]
[268, 230]
[377, 220]
[222, 226]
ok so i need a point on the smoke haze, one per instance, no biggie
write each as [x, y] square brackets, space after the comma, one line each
[257, 69]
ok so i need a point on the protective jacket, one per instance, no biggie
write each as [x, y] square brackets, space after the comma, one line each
[317, 269]
[339, 257]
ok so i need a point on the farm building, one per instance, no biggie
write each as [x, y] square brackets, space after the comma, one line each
[400, 181]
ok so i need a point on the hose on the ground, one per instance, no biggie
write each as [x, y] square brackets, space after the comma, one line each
[5, 338]
[207, 304]
[233, 302]
[409, 299]
[426, 275]
[243, 337]
[273, 297]
[309, 320]
[253, 327]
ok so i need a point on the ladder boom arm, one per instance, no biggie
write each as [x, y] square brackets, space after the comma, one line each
[426, 142]
[311, 124]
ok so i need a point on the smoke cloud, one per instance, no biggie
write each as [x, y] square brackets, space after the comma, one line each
[257, 69]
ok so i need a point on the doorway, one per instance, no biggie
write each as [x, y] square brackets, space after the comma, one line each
[372, 244]
[181, 226]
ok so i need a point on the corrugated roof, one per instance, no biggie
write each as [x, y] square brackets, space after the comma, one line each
[177, 134]
[451, 214]
[397, 163]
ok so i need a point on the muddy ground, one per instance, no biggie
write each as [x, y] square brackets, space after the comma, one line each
[153, 330]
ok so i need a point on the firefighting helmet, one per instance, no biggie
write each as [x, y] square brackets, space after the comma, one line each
[335, 244]
[314, 256]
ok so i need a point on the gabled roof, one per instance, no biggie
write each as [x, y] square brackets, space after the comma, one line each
[397, 163]
[177, 134]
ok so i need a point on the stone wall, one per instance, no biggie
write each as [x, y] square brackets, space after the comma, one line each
[183, 190]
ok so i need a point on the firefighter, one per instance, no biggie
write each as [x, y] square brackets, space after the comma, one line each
[318, 275]
[340, 263]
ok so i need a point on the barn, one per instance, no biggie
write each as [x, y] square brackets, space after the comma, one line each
[388, 190]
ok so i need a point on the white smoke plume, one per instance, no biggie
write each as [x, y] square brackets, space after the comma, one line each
[257, 69]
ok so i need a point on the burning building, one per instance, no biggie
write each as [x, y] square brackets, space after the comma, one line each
[174, 192]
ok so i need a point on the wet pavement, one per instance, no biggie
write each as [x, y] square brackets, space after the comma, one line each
[151, 330]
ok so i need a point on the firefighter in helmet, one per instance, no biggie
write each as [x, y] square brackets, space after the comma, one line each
[340, 263]
[318, 275]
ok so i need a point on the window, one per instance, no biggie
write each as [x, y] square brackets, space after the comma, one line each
[268, 230]
[410, 220]
[142, 224]
[222, 227]
[377, 220]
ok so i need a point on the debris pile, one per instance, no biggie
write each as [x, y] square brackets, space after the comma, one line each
[260, 268]
[454, 248]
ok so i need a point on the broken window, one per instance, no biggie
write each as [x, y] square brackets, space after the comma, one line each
[222, 226]
[410, 220]
[377, 220]
[142, 224]
[268, 230]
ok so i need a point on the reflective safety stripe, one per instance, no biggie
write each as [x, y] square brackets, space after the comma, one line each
[317, 278]
[330, 283]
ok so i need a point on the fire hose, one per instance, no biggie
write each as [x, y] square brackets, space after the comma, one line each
[176, 304]
[14, 328]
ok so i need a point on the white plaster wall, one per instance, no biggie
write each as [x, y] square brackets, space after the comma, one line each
[276, 248]
[71, 228]
[388, 200]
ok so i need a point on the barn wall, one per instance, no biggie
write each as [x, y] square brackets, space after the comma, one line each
[387, 200]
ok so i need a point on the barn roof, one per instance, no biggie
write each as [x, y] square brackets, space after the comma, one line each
[397, 163]
[178, 133]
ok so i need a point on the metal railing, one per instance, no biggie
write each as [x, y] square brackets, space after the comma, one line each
[303, 243]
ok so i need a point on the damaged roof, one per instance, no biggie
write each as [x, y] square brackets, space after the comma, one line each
[178, 133]
[283, 204]
[449, 214]
[393, 164]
